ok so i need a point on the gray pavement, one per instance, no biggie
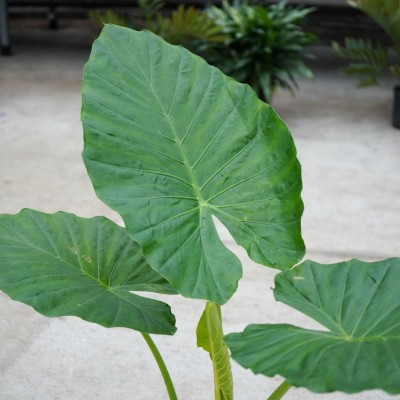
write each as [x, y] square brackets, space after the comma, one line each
[351, 160]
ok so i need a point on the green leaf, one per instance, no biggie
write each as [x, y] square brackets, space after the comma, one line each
[170, 142]
[210, 338]
[358, 303]
[62, 265]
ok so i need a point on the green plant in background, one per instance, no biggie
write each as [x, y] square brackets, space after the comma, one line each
[171, 142]
[148, 9]
[265, 45]
[261, 46]
[186, 26]
[110, 17]
[370, 58]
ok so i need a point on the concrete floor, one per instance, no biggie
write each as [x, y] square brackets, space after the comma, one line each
[351, 161]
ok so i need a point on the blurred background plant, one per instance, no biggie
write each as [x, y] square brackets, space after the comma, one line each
[368, 58]
[110, 17]
[186, 26]
[148, 10]
[265, 45]
[261, 46]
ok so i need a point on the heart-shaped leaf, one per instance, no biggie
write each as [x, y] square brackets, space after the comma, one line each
[61, 265]
[210, 337]
[358, 303]
[171, 141]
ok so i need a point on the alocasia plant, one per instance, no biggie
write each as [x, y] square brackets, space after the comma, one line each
[171, 143]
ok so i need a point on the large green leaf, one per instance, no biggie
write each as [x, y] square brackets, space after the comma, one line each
[171, 141]
[210, 337]
[61, 264]
[358, 303]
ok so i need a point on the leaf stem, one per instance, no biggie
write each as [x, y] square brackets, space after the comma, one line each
[161, 365]
[217, 390]
[280, 391]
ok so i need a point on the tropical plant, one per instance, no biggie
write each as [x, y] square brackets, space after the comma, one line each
[149, 10]
[110, 17]
[187, 26]
[171, 142]
[265, 45]
[370, 58]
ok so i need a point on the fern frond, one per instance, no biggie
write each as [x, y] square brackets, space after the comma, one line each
[367, 58]
[150, 8]
[395, 70]
[386, 13]
[363, 50]
[108, 17]
[187, 25]
[368, 74]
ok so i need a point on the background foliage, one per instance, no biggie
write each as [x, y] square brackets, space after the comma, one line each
[263, 46]
[369, 59]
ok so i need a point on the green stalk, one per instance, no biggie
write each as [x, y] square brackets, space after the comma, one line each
[210, 337]
[280, 391]
[217, 390]
[161, 365]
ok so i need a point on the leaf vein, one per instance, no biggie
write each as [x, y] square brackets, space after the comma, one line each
[198, 108]
[128, 142]
[133, 121]
[218, 132]
[142, 171]
[176, 86]
[369, 300]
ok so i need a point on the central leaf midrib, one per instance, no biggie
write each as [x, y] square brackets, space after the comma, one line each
[186, 163]
[177, 140]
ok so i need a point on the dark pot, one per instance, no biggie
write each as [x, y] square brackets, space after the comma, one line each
[396, 107]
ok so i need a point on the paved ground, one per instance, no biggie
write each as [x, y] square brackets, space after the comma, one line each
[351, 161]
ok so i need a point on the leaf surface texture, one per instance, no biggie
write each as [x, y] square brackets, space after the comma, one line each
[63, 265]
[358, 304]
[170, 142]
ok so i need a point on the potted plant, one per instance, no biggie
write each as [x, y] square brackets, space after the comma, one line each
[264, 46]
[370, 58]
[170, 142]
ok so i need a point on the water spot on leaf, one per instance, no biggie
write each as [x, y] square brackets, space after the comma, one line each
[86, 258]
[73, 250]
